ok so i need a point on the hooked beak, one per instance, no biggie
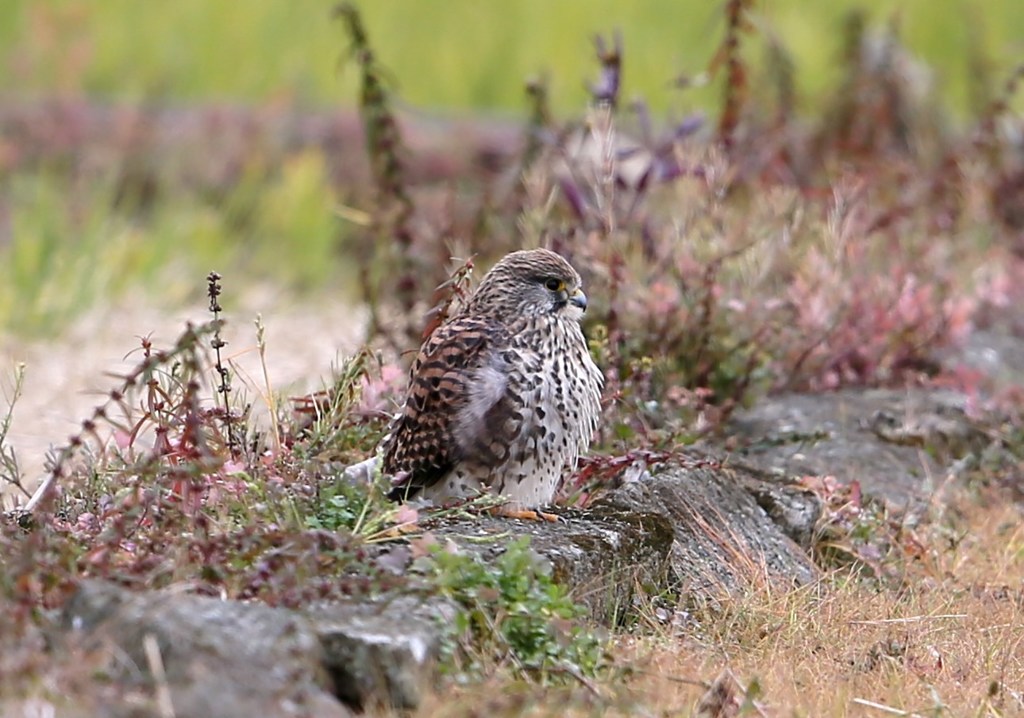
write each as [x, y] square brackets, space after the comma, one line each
[579, 299]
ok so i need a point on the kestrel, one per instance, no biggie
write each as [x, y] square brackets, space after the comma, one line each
[504, 396]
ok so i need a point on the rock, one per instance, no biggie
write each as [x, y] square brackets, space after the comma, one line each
[695, 529]
[723, 540]
[201, 656]
[794, 510]
[701, 529]
[602, 555]
[895, 443]
[997, 352]
[382, 650]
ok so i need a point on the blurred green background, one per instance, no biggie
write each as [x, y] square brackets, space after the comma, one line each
[69, 239]
[454, 53]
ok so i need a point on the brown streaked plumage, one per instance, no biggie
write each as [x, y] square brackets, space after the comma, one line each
[504, 396]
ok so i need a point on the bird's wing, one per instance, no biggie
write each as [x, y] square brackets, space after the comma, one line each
[458, 407]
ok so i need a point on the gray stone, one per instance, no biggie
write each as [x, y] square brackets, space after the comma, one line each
[794, 510]
[897, 444]
[603, 555]
[700, 529]
[697, 529]
[212, 657]
[383, 650]
[723, 540]
[996, 352]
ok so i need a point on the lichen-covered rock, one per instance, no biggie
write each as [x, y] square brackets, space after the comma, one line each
[383, 650]
[698, 530]
[201, 656]
[723, 540]
[893, 442]
[793, 509]
[996, 352]
[603, 555]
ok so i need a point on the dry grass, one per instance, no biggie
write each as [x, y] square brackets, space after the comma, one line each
[66, 374]
[949, 640]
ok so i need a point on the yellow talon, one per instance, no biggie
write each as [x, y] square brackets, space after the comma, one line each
[526, 514]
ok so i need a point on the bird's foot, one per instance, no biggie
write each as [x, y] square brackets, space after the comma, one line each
[526, 514]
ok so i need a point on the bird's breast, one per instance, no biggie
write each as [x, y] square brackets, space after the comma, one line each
[560, 388]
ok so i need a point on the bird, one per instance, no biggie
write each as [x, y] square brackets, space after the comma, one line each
[503, 397]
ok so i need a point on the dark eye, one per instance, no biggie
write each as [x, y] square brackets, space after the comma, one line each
[555, 285]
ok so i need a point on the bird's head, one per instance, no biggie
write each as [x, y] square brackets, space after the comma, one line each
[532, 282]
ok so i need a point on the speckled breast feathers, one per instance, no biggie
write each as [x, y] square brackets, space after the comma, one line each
[505, 396]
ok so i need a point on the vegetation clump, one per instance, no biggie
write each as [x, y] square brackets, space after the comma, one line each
[516, 617]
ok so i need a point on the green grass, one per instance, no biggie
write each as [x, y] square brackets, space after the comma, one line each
[452, 54]
[66, 255]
